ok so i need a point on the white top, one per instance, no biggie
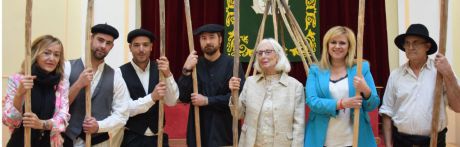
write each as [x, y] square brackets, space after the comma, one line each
[408, 100]
[265, 131]
[340, 128]
[143, 104]
[120, 112]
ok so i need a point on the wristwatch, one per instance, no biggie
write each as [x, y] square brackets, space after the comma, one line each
[186, 71]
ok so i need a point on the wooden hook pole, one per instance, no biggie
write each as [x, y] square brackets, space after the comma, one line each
[162, 77]
[27, 66]
[291, 33]
[236, 65]
[89, 24]
[191, 47]
[297, 27]
[444, 4]
[361, 13]
[260, 35]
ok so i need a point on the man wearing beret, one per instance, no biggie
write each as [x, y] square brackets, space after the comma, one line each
[214, 71]
[408, 100]
[109, 93]
[142, 78]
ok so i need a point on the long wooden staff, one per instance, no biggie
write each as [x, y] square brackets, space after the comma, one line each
[275, 20]
[162, 77]
[293, 36]
[191, 46]
[27, 66]
[89, 23]
[439, 79]
[359, 61]
[236, 65]
[299, 30]
[260, 35]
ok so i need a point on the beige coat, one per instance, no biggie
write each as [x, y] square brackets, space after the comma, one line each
[288, 98]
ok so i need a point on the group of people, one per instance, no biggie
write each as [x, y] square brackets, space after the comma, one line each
[271, 103]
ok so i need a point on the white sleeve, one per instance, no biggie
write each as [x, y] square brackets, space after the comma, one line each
[120, 113]
[143, 104]
[67, 69]
[388, 97]
[172, 93]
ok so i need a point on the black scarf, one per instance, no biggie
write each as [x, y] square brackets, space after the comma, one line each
[43, 100]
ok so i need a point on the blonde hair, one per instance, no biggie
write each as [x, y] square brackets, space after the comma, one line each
[283, 64]
[38, 47]
[325, 62]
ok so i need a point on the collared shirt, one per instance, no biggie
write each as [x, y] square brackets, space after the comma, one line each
[120, 113]
[408, 99]
[142, 105]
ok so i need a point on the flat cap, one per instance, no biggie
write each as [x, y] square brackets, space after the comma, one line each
[105, 29]
[211, 28]
[140, 32]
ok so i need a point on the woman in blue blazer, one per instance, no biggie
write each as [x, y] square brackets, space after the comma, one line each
[330, 89]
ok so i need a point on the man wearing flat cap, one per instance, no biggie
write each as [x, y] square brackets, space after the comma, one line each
[109, 93]
[214, 71]
[409, 95]
[142, 78]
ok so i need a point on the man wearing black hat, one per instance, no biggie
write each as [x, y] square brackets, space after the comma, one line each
[109, 93]
[408, 100]
[142, 77]
[214, 70]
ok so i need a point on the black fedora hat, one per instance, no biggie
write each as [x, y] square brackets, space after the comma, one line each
[417, 30]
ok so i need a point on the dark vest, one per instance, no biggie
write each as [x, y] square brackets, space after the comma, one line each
[140, 122]
[101, 99]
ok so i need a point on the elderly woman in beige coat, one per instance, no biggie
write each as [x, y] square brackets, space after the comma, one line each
[271, 103]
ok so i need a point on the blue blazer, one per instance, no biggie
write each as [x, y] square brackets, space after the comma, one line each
[323, 106]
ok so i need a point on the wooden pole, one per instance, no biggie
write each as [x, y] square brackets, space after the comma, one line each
[275, 20]
[162, 77]
[27, 66]
[191, 47]
[439, 79]
[298, 46]
[236, 65]
[260, 35]
[359, 57]
[89, 24]
[297, 27]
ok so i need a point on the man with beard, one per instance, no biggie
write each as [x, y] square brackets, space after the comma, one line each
[214, 71]
[109, 93]
[142, 77]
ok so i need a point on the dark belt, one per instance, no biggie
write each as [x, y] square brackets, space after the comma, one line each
[404, 139]
[96, 138]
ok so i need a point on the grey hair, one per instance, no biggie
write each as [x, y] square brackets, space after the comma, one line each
[283, 64]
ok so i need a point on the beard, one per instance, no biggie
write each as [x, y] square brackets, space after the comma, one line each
[210, 50]
[98, 55]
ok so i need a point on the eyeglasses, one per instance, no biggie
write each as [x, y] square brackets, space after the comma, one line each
[267, 52]
[414, 45]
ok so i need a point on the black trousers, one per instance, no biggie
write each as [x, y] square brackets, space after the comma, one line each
[131, 139]
[407, 140]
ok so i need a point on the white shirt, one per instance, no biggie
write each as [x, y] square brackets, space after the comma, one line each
[120, 113]
[408, 100]
[340, 128]
[143, 104]
[266, 127]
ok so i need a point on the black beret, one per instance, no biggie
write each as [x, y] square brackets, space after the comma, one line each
[140, 32]
[211, 28]
[105, 29]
